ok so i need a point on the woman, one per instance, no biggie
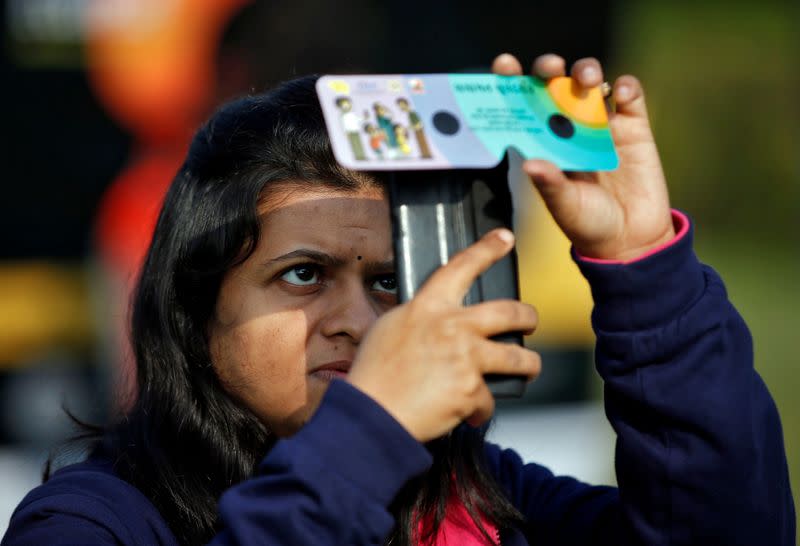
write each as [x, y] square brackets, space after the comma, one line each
[284, 398]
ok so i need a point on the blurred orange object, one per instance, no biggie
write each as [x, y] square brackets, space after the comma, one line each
[128, 211]
[153, 65]
[151, 62]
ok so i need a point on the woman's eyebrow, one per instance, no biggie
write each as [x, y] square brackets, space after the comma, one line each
[379, 268]
[313, 255]
[328, 260]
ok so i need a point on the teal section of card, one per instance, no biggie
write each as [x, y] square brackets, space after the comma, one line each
[518, 111]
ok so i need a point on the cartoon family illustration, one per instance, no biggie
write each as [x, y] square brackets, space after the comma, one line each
[387, 139]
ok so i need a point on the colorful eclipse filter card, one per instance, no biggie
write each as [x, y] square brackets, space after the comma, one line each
[463, 121]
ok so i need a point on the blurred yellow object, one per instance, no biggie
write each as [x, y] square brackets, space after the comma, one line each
[551, 282]
[42, 305]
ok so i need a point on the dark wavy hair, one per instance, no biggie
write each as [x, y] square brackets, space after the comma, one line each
[185, 440]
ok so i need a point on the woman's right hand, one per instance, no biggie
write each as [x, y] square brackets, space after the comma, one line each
[424, 361]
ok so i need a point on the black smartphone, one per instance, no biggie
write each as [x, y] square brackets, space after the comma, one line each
[435, 214]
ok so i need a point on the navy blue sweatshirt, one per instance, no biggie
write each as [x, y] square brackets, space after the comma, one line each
[699, 457]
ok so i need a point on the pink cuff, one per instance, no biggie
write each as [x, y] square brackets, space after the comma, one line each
[681, 223]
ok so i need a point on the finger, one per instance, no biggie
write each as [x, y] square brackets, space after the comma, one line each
[506, 358]
[499, 316]
[507, 65]
[549, 66]
[452, 281]
[629, 96]
[484, 409]
[588, 72]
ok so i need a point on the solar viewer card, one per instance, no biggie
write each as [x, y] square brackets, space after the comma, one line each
[457, 121]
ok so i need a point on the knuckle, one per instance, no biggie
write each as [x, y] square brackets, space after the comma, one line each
[512, 358]
[462, 358]
[422, 306]
[461, 261]
[471, 384]
[448, 329]
[519, 313]
[462, 411]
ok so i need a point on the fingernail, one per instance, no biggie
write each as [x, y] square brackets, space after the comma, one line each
[623, 92]
[505, 235]
[589, 73]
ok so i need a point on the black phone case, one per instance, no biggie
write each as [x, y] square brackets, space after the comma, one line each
[435, 214]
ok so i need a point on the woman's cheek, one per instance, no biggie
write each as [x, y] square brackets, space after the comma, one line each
[263, 364]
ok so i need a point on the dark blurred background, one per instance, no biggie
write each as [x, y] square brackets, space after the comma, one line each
[100, 98]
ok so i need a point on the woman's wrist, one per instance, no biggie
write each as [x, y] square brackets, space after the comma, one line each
[678, 230]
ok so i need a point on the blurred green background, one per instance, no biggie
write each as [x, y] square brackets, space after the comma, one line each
[722, 83]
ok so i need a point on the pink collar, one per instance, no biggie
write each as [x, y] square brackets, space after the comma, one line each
[458, 529]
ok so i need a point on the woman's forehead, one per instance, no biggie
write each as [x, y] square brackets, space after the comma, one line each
[284, 193]
[325, 218]
[301, 198]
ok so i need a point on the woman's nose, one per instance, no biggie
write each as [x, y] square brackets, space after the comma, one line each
[351, 314]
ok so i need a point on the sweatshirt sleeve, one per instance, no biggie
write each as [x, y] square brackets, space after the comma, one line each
[86, 504]
[65, 520]
[331, 483]
[699, 453]
[700, 456]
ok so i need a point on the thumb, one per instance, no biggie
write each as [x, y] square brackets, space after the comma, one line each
[555, 188]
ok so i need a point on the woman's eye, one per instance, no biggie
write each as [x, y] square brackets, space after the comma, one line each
[387, 283]
[302, 275]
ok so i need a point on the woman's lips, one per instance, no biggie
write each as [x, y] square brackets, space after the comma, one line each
[328, 375]
[332, 370]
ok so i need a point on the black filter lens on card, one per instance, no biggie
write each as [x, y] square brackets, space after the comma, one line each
[561, 126]
[446, 123]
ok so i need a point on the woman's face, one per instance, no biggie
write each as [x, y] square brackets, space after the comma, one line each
[291, 317]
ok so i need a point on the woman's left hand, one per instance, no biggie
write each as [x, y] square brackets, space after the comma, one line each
[616, 215]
